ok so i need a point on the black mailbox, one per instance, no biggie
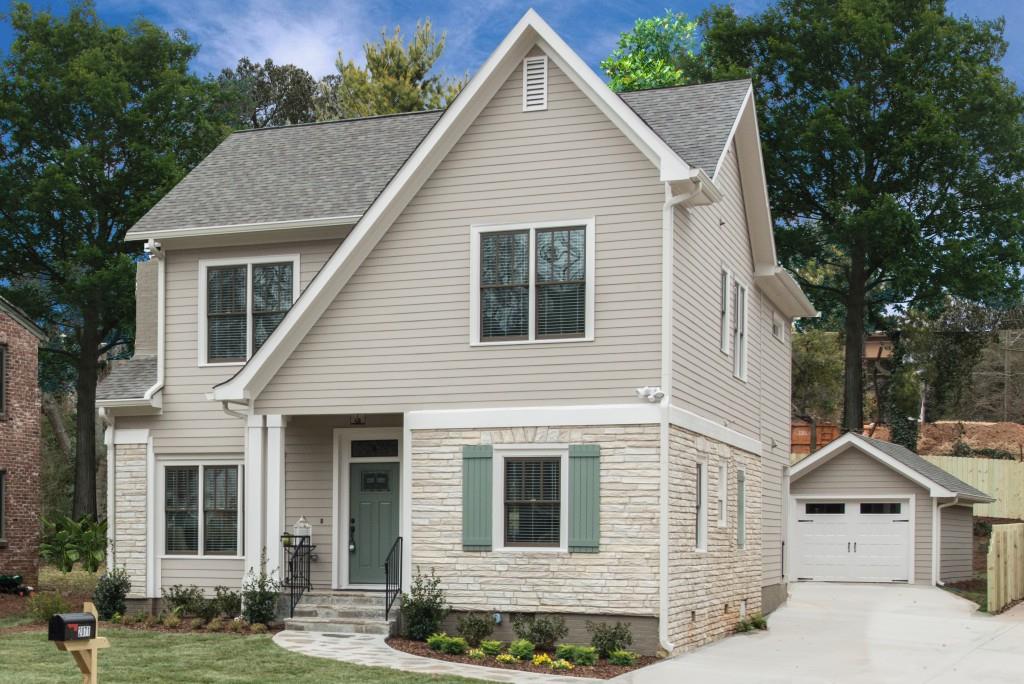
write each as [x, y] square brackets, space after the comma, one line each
[72, 627]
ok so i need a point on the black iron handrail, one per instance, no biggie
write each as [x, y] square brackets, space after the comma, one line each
[392, 576]
[298, 555]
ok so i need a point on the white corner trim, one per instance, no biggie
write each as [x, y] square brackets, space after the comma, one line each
[529, 31]
[826, 453]
[136, 436]
[534, 416]
[247, 228]
[687, 420]
[152, 562]
[590, 245]
[247, 261]
[108, 441]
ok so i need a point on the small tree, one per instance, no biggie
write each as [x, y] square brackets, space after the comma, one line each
[653, 54]
[259, 95]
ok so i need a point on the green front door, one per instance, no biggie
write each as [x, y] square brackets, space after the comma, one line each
[373, 524]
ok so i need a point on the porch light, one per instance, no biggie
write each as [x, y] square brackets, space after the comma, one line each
[302, 528]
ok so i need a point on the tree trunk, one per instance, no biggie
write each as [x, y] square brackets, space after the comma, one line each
[85, 445]
[853, 378]
[54, 413]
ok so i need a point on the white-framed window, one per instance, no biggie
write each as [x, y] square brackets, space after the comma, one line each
[723, 495]
[701, 505]
[531, 497]
[778, 332]
[241, 302]
[202, 509]
[724, 309]
[535, 83]
[741, 508]
[532, 283]
[739, 332]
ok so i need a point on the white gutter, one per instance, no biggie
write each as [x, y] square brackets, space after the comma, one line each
[937, 546]
[235, 228]
[667, 274]
[108, 442]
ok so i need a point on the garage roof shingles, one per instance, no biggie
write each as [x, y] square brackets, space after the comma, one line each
[925, 468]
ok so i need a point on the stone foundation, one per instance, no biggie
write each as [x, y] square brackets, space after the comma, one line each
[773, 597]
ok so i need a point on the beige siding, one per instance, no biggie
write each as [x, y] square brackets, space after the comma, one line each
[190, 423]
[853, 473]
[205, 573]
[957, 547]
[397, 337]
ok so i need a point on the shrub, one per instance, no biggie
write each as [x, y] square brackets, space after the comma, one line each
[172, 621]
[66, 541]
[561, 665]
[186, 601]
[455, 646]
[542, 660]
[258, 628]
[475, 627]
[44, 605]
[150, 620]
[542, 631]
[522, 649]
[490, 647]
[424, 608]
[259, 595]
[577, 655]
[110, 593]
[610, 638]
[476, 654]
[622, 658]
[238, 625]
[436, 642]
[226, 602]
[506, 658]
[130, 618]
[215, 625]
[116, 619]
[749, 624]
[197, 623]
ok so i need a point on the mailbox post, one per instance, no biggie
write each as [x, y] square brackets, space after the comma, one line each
[76, 634]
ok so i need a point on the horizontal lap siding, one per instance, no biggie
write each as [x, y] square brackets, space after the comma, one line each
[852, 472]
[397, 337]
[775, 379]
[190, 423]
[205, 573]
[957, 543]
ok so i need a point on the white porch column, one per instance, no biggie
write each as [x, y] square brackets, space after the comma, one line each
[275, 492]
[253, 494]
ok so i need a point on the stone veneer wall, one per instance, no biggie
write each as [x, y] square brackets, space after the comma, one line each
[130, 514]
[621, 579]
[706, 589]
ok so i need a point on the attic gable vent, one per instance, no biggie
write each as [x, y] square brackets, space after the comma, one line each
[535, 84]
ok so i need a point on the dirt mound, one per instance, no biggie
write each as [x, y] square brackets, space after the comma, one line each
[941, 437]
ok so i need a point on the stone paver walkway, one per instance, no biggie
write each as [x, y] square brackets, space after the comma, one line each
[366, 649]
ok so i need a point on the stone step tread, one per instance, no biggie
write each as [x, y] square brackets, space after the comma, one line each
[306, 610]
[346, 626]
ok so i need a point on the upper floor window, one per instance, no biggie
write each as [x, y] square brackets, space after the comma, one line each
[739, 333]
[3, 380]
[533, 283]
[3, 497]
[724, 309]
[241, 303]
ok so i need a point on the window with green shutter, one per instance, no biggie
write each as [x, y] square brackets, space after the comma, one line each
[584, 498]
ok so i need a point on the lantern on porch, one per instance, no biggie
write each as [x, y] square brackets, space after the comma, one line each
[302, 528]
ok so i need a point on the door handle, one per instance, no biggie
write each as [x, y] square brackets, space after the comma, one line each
[847, 547]
[855, 547]
[352, 535]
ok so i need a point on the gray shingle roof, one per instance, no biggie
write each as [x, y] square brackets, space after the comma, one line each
[338, 168]
[926, 468]
[128, 379]
[291, 172]
[694, 120]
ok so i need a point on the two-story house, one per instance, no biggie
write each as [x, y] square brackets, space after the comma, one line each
[19, 443]
[538, 341]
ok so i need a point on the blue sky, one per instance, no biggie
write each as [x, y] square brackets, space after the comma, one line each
[311, 33]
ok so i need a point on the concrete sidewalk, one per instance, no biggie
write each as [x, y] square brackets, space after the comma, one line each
[861, 633]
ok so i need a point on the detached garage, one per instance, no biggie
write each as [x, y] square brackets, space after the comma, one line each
[863, 510]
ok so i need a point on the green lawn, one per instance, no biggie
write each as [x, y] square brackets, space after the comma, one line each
[138, 656]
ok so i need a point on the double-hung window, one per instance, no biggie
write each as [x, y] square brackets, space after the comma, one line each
[740, 333]
[241, 304]
[701, 522]
[3, 380]
[533, 501]
[741, 508]
[201, 510]
[533, 283]
[3, 512]
[723, 495]
[723, 310]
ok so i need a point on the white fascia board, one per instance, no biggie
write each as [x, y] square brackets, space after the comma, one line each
[690, 421]
[784, 292]
[235, 228]
[753, 184]
[826, 453]
[327, 284]
[152, 401]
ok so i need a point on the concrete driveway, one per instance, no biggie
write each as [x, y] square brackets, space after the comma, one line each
[860, 633]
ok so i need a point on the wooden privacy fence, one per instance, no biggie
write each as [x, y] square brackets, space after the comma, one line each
[1005, 566]
[1001, 479]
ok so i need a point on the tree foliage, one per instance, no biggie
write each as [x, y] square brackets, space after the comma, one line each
[654, 54]
[258, 95]
[817, 375]
[894, 150]
[397, 78]
[96, 124]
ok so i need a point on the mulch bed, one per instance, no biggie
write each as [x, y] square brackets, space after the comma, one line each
[603, 670]
[12, 605]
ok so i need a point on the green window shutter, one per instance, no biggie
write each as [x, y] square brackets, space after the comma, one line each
[477, 488]
[584, 498]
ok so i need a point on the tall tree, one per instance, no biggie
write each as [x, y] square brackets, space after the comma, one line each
[96, 124]
[268, 94]
[397, 78]
[894, 148]
[655, 54]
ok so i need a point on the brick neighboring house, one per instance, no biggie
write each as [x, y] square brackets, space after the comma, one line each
[19, 443]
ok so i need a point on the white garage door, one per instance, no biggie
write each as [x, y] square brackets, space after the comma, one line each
[853, 541]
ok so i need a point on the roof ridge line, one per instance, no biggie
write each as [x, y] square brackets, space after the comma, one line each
[335, 121]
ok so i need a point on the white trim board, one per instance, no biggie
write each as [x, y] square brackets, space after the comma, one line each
[343, 263]
[688, 420]
[637, 413]
[134, 436]
[247, 228]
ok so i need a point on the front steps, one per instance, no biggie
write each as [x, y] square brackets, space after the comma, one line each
[342, 612]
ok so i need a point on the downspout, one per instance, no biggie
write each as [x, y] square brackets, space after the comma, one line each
[937, 554]
[667, 275]
[107, 421]
[156, 251]
[232, 412]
